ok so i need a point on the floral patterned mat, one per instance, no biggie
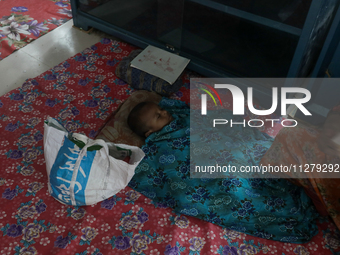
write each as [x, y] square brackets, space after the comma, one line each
[81, 93]
[23, 21]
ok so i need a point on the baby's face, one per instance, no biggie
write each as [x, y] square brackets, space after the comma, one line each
[155, 118]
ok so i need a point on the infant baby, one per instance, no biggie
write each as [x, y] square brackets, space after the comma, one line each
[147, 118]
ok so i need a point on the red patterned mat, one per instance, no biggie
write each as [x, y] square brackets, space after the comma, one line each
[22, 21]
[81, 93]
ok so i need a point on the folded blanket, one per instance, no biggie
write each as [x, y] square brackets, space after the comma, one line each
[268, 208]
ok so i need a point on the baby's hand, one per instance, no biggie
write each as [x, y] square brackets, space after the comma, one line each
[329, 139]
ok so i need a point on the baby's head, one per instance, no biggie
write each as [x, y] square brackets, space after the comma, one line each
[147, 117]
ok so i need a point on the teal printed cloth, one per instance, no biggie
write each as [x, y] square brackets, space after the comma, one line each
[273, 209]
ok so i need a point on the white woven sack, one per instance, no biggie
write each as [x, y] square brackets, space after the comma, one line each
[85, 176]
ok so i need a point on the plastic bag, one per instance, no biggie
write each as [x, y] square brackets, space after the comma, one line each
[82, 171]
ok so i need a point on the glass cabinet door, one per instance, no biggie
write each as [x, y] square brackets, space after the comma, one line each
[250, 38]
[158, 21]
[245, 38]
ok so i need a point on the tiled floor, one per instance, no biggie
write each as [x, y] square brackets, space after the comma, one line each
[43, 54]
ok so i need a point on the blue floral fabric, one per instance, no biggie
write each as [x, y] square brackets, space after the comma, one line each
[273, 209]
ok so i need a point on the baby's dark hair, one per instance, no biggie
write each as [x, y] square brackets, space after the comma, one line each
[135, 122]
